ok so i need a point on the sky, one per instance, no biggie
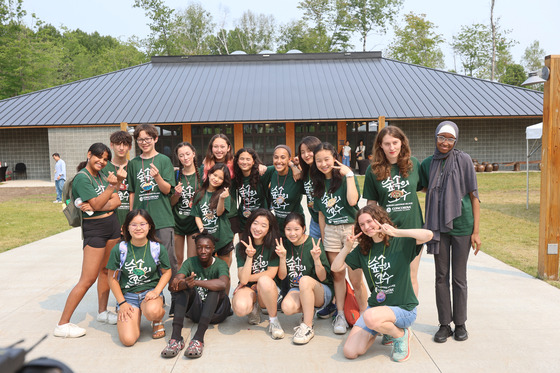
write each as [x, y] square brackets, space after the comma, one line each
[527, 20]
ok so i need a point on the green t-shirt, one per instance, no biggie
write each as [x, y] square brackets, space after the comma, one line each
[308, 187]
[86, 187]
[335, 205]
[397, 195]
[217, 269]
[285, 196]
[184, 221]
[261, 259]
[146, 191]
[299, 262]
[251, 198]
[462, 225]
[217, 226]
[388, 272]
[139, 271]
[123, 192]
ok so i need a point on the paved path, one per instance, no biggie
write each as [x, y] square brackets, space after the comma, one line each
[514, 321]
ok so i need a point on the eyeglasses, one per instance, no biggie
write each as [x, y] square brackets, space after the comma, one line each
[443, 139]
[147, 140]
[141, 225]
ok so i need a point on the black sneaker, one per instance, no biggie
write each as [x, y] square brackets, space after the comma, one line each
[279, 302]
[443, 333]
[461, 333]
[327, 311]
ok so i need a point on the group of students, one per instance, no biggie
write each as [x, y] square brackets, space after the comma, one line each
[283, 262]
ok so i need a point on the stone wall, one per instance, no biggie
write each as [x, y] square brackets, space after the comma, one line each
[29, 146]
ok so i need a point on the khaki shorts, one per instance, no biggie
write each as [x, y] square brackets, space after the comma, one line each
[335, 236]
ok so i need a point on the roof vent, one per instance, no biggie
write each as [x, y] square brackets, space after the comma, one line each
[266, 51]
[292, 51]
[238, 52]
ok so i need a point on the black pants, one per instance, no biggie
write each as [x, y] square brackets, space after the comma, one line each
[188, 303]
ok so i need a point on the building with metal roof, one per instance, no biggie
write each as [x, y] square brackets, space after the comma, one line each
[264, 100]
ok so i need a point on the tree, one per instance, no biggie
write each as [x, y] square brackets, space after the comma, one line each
[417, 42]
[514, 75]
[533, 57]
[161, 16]
[296, 35]
[373, 15]
[493, 30]
[474, 46]
[190, 31]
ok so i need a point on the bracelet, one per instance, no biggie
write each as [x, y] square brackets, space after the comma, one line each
[123, 302]
[350, 174]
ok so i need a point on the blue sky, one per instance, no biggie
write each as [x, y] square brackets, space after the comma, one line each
[528, 21]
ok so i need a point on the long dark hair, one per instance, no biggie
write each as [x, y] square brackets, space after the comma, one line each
[216, 194]
[210, 156]
[96, 149]
[380, 165]
[378, 213]
[269, 240]
[318, 178]
[238, 174]
[143, 213]
[311, 142]
[195, 163]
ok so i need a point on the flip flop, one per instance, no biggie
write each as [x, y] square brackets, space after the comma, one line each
[158, 330]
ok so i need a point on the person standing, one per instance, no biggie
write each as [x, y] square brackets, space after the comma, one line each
[59, 176]
[346, 152]
[121, 143]
[453, 214]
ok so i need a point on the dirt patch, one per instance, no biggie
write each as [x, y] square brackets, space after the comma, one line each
[7, 194]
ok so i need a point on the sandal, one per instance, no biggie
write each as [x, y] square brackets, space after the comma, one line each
[158, 330]
[195, 349]
[173, 347]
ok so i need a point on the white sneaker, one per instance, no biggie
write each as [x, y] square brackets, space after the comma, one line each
[340, 325]
[69, 330]
[107, 317]
[303, 334]
[254, 318]
[275, 330]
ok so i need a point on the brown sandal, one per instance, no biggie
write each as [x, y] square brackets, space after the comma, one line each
[158, 330]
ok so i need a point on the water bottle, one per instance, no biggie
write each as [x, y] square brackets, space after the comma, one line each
[78, 202]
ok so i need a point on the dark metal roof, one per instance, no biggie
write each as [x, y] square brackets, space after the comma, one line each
[275, 87]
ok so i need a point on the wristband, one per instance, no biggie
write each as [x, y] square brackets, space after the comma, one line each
[123, 302]
[350, 174]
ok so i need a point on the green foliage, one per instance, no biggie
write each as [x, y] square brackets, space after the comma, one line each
[533, 57]
[514, 75]
[161, 16]
[417, 43]
[190, 31]
[474, 46]
[373, 16]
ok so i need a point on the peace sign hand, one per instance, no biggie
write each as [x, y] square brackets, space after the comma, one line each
[280, 249]
[351, 238]
[316, 250]
[250, 249]
[342, 168]
[386, 229]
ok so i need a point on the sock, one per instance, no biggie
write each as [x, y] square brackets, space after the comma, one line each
[273, 319]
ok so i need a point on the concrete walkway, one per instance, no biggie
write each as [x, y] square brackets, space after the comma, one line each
[514, 321]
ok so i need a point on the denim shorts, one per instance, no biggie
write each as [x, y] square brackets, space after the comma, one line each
[314, 229]
[403, 318]
[134, 299]
[327, 296]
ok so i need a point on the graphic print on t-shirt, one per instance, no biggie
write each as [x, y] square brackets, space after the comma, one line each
[148, 187]
[378, 270]
[186, 200]
[279, 198]
[259, 264]
[331, 205]
[396, 192]
[308, 187]
[248, 197]
[137, 273]
[209, 218]
[295, 270]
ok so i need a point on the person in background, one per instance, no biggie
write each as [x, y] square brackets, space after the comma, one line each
[346, 153]
[59, 176]
[453, 214]
[121, 143]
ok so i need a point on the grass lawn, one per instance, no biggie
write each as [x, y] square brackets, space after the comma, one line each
[509, 232]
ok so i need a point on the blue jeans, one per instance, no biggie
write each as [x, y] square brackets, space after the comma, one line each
[403, 318]
[346, 160]
[59, 184]
[314, 229]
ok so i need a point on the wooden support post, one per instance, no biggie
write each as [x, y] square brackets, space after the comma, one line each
[237, 136]
[341, 134]
[291, 137]
[380, 123]
[187, 132]
[549, 228]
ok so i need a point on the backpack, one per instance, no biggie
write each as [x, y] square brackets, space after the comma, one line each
[351, 307]
[73, 214]
[123, 250]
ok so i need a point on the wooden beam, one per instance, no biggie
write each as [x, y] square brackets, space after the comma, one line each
[187, 133]
[124, 126]
[237, 136]
[291, 137]
[340, 134]
[549, 225]
[380, 123]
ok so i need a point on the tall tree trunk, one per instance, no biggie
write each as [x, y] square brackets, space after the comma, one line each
[493, 25]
